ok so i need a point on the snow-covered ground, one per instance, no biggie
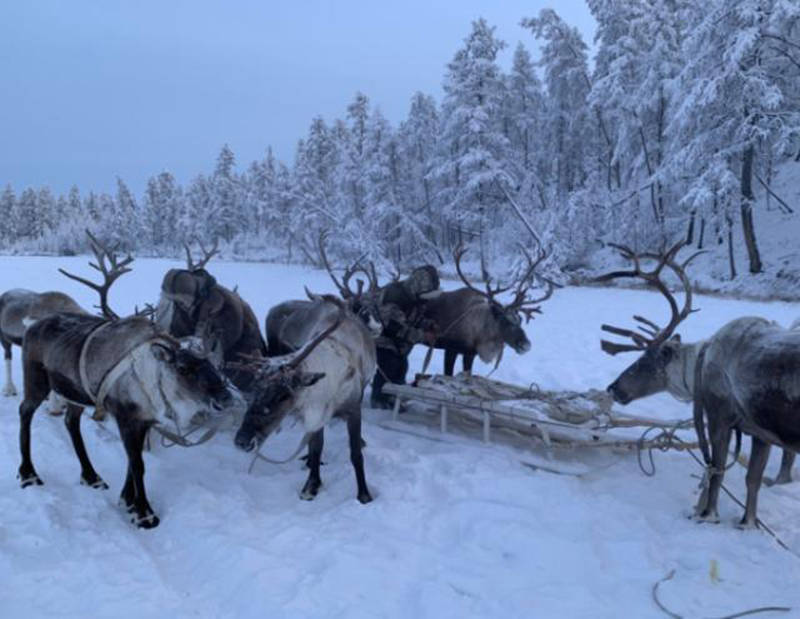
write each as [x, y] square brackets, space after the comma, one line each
[457, 529]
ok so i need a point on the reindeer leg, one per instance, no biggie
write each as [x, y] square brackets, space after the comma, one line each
[467, 361]
[9, 389]
[89, 476]
[449, 361]
[56, 404]
[787, 462]
[36, 389]
[759, 454]
[314, 481]
[133, 432]
[720, 440]
[356, 457]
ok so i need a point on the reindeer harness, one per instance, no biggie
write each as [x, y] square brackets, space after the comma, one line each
[98, 390]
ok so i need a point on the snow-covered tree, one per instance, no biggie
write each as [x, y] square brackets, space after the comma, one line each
[472, 142]
[736, 93]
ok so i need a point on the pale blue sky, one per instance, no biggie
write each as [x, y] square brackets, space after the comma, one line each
[97, 89]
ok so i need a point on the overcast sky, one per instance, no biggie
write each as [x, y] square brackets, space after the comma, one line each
[96, 89]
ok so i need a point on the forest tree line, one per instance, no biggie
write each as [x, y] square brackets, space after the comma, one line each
[686, 108]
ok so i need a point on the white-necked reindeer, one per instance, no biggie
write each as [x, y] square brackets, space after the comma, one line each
[744, 378]
[126, 366]
[327, 378]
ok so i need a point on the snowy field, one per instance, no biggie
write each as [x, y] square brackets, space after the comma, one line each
[457, 529]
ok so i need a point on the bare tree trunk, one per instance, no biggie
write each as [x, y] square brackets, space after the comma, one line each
[747, 210]
[690, 231]
[702, 233]
[730, 248]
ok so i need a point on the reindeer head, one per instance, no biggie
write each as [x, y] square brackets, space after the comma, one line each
[277, 381]
[189, 381]
[509, 316]
[423, 282]
[183, 291]
[660, 349]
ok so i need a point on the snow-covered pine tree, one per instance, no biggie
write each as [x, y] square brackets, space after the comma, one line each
[418, 141]
[566, 68]
[736, 94]
[8, 202]
[472, 142]
[24, 219]
[227, 217]
[639, 55]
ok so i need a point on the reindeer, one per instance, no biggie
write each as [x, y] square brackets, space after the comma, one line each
[127, 366]
[744, 378]
[19, 309]
[473, 322]
[194, 305]
[326, 378]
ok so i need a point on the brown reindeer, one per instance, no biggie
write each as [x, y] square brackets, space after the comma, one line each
[744, 378]
[194, 305]
[471, 321]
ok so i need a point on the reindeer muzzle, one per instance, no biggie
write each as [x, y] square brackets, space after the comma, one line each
[619, 395]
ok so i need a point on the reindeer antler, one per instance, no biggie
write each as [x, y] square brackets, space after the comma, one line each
[521, 303]
[111, 271]
[345, 291]
[207, 255]
[651, 334]
[266, 368]
[490, 293]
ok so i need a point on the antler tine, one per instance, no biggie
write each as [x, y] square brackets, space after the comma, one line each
[521, 302]
[191, 265]
[344, 291]
[458, 253]
[110, 272]
[613, 348]
[207, 254]
[189, 262]
[648, 326]
[653, 277]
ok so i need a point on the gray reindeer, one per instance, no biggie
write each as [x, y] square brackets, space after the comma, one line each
[336, 360]
[19, 309]
[126, 366]
[744, 378]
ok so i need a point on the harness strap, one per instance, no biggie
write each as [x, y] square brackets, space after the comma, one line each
[259, 456]
[698, 412]
[82, 360]
[182, 440]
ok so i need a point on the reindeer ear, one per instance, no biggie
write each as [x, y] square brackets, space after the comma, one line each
[162, 352]
[676, 338]
[306, 379]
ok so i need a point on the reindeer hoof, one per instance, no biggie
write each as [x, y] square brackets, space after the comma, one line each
[310, 491]
[96, 483]
[747, 525]
[710, 517]
[147, 521]
[9, 391]
[29, 480]
[364, 498]
[779, 480]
